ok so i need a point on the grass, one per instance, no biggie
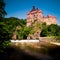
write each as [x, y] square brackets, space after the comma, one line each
[53, 36]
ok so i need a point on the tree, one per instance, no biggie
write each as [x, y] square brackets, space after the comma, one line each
[4, 35]
[20, 33]
[12, 23]
[2, 11]
[2, 24]
[44, 26]
[38, 25]
[8, 26]
[52, 29]
[58, 31]
[26, 32]
[44, 32]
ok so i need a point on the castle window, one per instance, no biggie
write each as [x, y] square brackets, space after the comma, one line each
[34, 15]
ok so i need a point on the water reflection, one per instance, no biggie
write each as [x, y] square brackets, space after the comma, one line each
[15, 53]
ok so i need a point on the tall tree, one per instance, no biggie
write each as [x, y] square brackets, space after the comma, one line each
[2, 11]
[4, 35]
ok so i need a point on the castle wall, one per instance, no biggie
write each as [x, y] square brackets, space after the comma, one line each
[29, 19]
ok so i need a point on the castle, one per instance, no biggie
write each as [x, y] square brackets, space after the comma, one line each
[37, 15]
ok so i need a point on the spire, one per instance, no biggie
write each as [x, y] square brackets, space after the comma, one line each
[33, 8]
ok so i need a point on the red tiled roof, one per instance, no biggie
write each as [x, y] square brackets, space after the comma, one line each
[35, 11]
[50, 16]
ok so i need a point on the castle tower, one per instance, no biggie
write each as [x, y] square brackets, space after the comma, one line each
[34, 15]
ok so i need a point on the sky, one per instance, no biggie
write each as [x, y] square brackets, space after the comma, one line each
[20, 8]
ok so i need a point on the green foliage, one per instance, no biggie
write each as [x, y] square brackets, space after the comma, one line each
[38, 25]
[26, 32]
[52, 29]
[12, 23]
[32, 31]
[5, 34]
[8, 26]
[23, 32]
[2, 11]
[44, 33]
[44, 26]
[58, 31]
[20, 34]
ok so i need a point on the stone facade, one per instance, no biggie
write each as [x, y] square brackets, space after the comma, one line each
[37, 15]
